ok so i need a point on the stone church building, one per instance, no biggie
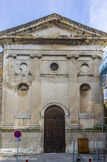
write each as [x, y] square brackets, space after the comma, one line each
[49, 86]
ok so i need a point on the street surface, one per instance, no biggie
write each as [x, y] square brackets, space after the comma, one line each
[54, 157]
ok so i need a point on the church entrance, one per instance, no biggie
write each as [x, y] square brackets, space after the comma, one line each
[54, 130]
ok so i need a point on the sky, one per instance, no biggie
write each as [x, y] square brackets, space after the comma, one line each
[92, 13]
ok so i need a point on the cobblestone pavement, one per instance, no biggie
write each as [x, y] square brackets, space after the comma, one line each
[54, 157]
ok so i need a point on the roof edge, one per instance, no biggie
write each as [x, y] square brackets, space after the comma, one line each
[54, 15]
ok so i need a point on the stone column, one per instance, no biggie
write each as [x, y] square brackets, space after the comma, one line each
[73, 93]
[98, 97]
[35, 94]
[8, 91]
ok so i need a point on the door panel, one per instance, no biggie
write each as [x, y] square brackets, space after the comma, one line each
[54, 133]
[83, 145]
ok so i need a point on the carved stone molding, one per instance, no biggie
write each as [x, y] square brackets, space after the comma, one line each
[32, 56]
[16, 55]
[96, 57]
[22, 78]
[76, 56]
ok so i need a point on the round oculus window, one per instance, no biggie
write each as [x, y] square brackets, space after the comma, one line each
[84, 68]
[23, 67]
[54, 66]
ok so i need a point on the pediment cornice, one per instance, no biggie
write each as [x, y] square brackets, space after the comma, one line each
[53, 20]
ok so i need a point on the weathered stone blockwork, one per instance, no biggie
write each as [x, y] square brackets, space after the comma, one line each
[51, 61]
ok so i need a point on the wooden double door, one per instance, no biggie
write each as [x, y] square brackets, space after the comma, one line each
[54, 130]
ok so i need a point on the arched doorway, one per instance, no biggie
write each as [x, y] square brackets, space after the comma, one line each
[54, 130]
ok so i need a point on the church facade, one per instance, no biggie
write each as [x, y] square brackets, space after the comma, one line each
[50, 86]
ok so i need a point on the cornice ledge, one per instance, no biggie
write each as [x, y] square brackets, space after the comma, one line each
[32, 56]
[33, 37]
[76, 56]
[96, 57]
[12, 56]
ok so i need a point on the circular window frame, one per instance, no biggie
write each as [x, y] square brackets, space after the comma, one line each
[86, 65]
[23, 63]
[54, 71]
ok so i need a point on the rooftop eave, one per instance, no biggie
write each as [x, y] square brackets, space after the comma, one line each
[53, 17]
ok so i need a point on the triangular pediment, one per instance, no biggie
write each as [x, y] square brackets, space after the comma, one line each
[53, 32]
[53, 26]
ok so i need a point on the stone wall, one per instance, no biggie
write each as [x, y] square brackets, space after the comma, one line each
[30, 86]
[32, 141]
